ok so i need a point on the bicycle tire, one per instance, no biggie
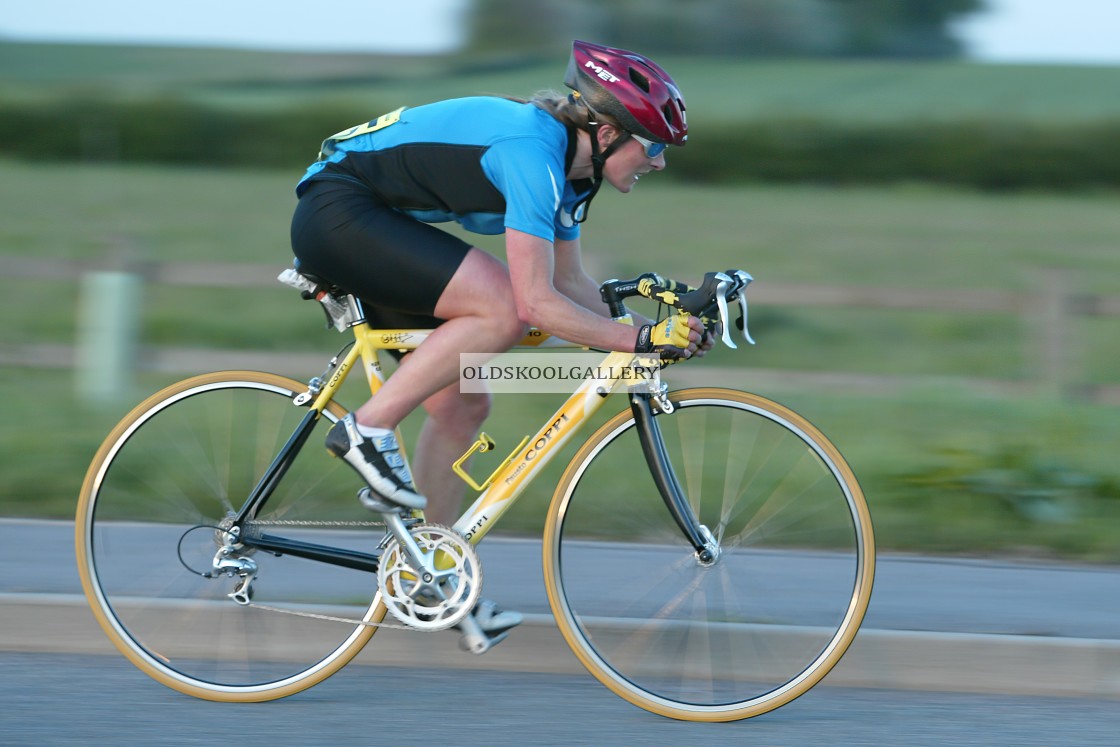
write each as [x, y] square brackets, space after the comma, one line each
[187, 457]
[762, 625]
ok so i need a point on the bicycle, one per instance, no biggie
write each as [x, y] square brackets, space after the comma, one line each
[732, 582]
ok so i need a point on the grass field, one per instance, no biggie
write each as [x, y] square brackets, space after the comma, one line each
[945, 469]
[907, 238]
[716, 89]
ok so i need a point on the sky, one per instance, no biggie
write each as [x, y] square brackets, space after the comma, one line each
[1062, 31]
[1015, 31]
[416, 26]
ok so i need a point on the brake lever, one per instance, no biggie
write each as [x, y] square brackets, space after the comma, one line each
[745, 278]
[721, 302]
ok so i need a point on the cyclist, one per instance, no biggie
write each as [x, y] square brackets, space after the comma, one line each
[528, 169]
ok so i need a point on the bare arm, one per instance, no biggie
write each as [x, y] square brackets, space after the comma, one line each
[572, 280]
[553, 292]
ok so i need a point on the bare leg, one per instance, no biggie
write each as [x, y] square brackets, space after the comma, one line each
[452, 425]
[481, 318]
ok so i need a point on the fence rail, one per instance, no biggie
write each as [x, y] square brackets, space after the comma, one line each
[1051, 310]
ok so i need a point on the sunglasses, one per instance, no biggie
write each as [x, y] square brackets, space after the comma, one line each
[652, 149]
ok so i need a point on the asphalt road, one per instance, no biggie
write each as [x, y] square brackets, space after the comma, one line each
[939, 631]
[52, 699]
[911, 593]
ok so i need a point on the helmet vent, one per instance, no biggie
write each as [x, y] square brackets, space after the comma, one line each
[639, 80]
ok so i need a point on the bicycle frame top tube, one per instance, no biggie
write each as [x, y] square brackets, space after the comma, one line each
[369, 342]
[522, 467]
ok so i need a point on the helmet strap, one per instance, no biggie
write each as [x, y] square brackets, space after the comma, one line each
[598, 161]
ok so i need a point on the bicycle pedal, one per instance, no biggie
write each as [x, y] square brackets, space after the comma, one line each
[377, 504]
[479, 645]
[478, 640]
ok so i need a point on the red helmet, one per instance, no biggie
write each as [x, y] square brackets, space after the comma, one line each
[631, 88]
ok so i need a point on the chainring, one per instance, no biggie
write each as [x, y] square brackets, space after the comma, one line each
[443, 590]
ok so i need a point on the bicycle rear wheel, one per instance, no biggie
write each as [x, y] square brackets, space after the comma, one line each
[160, 489]
[748, 633]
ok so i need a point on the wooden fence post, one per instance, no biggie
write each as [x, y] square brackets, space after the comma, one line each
[1056, 356]
[108, 326]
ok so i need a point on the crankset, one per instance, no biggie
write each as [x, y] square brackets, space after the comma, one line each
[432, 579]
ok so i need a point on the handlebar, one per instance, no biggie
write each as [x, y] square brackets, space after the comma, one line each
[709, 302]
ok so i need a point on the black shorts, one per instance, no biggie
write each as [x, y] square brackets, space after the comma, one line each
[397, 265]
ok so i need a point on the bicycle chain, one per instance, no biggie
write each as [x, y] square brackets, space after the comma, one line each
[309, 523]
[331, 618]
[316, 615]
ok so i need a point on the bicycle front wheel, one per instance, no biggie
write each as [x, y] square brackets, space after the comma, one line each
[156, 499]
[730, 639]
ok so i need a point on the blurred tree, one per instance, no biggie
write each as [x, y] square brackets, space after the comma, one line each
[903, 28]
[517, 27]
[721, 27]
[770, 28]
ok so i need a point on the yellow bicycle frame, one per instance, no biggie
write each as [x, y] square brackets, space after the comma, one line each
[507, 484]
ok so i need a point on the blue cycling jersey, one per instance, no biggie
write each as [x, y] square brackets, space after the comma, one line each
[487, 163]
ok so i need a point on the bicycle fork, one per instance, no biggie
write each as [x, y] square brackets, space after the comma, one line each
[661, 468]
